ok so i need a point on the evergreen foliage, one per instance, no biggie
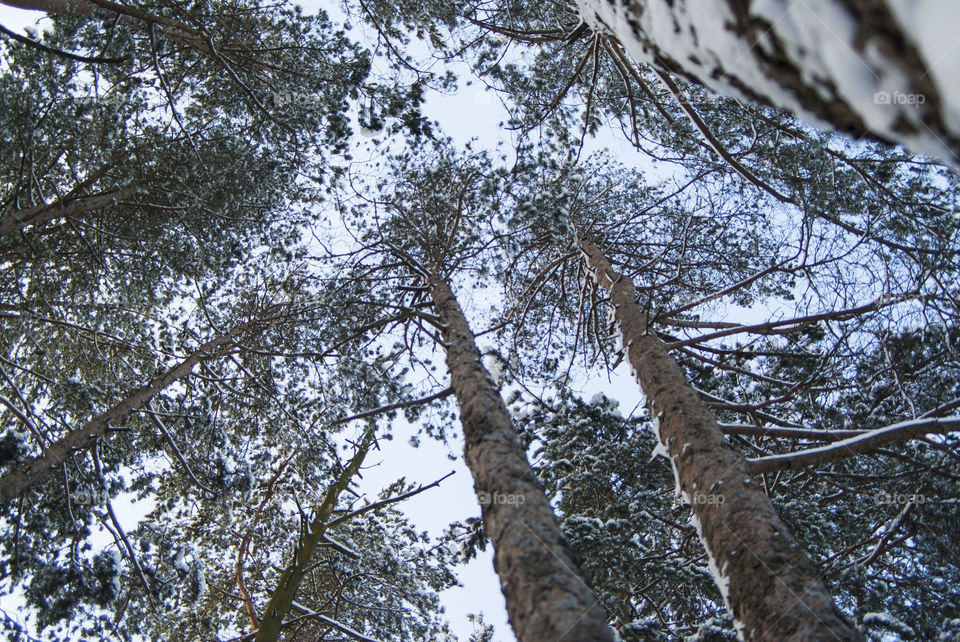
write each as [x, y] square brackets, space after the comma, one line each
[223, 230]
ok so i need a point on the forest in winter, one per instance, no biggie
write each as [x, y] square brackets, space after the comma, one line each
[685, 325]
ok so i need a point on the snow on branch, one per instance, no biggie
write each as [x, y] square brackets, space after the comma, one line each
[343, 628]
[852, 446]
[340, 546]
[789, 433]
[307, 614]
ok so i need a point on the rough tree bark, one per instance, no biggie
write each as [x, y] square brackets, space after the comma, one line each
[546, 593]
[884, 69]
[76, 7]
[25, 476]
[770, 586]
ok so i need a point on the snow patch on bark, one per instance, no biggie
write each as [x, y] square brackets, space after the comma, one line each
[720, 577]
[495, 365]
[820, 37]
[663, 449]
[659, 451]
[937, 20]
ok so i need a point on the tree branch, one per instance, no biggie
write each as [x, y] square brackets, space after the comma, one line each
[30, 42]
[852, 446]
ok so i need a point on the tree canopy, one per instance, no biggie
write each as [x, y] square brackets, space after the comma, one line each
[704, 380]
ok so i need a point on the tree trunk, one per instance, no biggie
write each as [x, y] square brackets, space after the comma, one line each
[547, 596]
[25, 476]
[37, 215]
[283, 596]
[883, 69]
[76, 7]
[769, 585]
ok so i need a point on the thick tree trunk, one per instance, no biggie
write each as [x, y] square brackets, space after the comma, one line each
[546, 593]
[76, 7]
[25, 476]
[770, 586]
[884, 69]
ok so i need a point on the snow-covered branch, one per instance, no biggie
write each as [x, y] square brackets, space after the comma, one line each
[856, 445]
[307, 615]
[789, 433]
[343, 628]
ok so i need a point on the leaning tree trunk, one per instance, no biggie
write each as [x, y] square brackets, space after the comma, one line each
[40, 214]
[769, 585]
[547, 595]
[884, 69]
[282, 598]
[25, 476]
[77, 7]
